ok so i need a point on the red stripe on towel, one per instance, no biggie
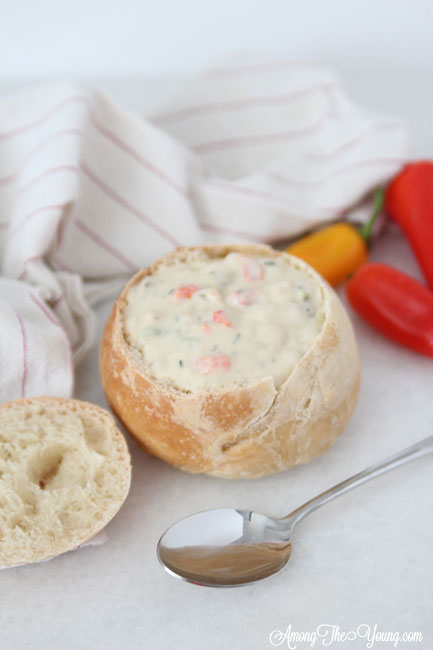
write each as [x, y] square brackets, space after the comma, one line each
[25, 352]
[54, 320]
[239, 104]
[266, 138]
[103, 244]
[127, 206]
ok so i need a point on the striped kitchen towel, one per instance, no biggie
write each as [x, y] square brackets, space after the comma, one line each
[89, 192]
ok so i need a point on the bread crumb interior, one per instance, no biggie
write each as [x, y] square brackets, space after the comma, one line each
[62, 475]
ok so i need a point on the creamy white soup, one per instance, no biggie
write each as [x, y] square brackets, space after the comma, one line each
[207, 323]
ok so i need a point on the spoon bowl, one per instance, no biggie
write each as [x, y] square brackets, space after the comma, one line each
[225, 547]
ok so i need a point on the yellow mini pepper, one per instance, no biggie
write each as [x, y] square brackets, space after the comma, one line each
[337, 251]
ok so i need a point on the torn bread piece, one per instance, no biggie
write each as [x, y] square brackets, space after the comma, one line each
[236, 361]
[64, 473]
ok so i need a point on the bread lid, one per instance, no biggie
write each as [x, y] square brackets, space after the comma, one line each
[64, 473]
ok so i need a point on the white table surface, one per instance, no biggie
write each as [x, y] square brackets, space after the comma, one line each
[365, 558]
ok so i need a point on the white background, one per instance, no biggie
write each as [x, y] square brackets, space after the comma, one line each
[133, 37]
[365, 558]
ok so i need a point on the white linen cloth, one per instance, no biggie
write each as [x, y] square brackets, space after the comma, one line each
[89, 192]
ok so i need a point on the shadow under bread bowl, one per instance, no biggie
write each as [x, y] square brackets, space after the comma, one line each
[65, 471]
[244, 420]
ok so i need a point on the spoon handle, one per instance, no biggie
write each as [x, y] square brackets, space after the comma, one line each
[400, 458]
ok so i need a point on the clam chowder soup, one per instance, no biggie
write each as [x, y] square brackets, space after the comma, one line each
[210, 322]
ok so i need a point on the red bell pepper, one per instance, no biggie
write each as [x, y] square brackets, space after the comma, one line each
[395, 304]
[409, 201]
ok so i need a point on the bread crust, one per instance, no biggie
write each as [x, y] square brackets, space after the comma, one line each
[74, 541]
[239, 431]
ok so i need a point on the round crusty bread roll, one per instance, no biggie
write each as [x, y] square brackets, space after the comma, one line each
[254, 425]
[64, 473]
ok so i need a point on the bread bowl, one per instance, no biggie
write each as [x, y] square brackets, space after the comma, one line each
[64, 473]
[239, 424]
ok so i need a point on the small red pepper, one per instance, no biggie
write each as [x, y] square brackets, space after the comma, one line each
[395, 304]
[409, 201]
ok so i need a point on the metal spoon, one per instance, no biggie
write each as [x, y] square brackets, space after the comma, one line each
[227, 547]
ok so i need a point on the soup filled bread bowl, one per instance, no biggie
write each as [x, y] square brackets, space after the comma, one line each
[235, 361]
